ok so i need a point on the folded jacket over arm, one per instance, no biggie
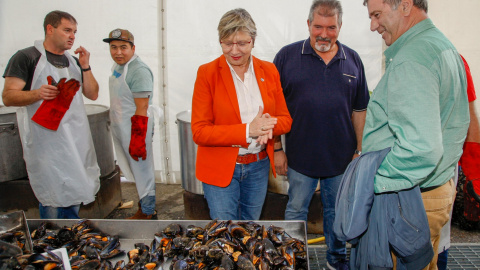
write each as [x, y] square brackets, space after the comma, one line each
[378, 224]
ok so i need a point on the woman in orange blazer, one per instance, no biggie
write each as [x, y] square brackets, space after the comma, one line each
[237, 107]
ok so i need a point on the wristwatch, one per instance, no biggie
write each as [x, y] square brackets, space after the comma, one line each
[358, 152]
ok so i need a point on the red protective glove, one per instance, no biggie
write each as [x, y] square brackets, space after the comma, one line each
[138, 148]
[470, 163]
[51, 112]
[471, 205]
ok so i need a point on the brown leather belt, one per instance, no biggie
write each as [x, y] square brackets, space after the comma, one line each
[249, 158]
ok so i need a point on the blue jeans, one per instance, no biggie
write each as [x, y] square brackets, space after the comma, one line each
[148, 205]
[243, 199]
[300, 193]
[50, 212]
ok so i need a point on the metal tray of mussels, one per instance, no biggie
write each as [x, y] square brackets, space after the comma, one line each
[16, 222]
[131, 232]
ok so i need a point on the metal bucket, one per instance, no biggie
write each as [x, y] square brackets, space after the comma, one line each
[12, 165]
[280, 184]
[188, 153]
[99, 120]
[16, 221]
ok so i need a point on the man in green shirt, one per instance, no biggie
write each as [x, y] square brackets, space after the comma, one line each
[419, 108]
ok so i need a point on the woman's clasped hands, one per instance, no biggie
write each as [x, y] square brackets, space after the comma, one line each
[262, 127]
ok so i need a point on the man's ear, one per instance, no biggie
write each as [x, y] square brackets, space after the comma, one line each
[406, 7]
[49, 29]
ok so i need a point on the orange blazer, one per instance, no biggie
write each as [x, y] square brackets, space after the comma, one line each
[216, 123]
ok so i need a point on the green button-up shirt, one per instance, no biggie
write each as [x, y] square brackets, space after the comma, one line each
[419, 109]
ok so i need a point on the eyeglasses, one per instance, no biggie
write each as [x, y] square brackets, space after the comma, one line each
[240, 44]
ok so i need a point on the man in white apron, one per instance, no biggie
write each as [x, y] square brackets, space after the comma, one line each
[61, 163]
[131, 89]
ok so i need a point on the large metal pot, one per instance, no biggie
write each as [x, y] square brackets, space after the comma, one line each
[12, 165]
[188, 153]
[98, 118]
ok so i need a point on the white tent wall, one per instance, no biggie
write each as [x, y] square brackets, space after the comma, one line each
[195, 41]
[459, 21]
[174, 37]
[21, 22]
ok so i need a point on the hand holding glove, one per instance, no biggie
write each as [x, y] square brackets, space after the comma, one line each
[138, 148]
[51, 112]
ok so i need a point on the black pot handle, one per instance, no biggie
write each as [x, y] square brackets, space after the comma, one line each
[5, 126]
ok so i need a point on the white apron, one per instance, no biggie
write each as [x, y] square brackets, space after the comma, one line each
[122, 108]
[62, 165]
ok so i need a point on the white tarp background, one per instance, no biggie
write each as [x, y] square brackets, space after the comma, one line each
[192, 40]
[21, 22]
[174, 37]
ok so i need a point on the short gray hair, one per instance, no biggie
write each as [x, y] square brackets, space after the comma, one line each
[330, 8]
[234, 21]
[421, 4]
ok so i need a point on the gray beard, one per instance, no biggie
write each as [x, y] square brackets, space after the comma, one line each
[323, 48]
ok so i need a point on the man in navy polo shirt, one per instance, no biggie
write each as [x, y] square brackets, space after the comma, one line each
[327, 95]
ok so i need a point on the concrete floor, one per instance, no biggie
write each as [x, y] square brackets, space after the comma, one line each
[170, 206]
[169, 203]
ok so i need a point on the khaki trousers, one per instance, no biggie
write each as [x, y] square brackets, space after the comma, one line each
[437, 203]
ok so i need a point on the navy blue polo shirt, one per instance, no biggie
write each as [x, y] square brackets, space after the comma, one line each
[321, 99]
